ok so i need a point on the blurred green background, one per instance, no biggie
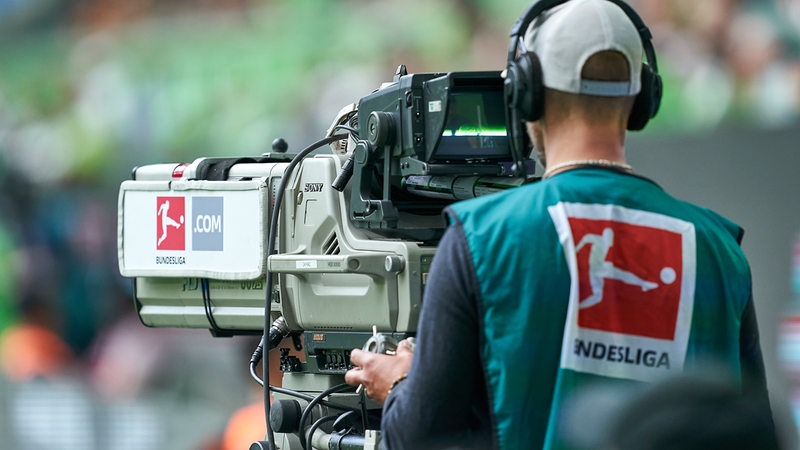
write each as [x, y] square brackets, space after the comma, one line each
[90, 89]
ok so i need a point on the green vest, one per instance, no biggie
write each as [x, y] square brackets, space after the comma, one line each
[594, 275]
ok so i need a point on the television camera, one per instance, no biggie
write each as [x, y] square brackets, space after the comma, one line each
[331, 249]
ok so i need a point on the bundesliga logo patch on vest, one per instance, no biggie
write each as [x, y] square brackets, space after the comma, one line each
[632, 292]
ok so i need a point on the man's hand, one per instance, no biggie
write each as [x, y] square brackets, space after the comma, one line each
[378, 372]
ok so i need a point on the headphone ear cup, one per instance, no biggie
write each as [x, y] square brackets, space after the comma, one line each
[647, 101]
[527, 90]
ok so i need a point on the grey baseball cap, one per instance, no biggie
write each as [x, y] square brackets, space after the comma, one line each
[566, 36]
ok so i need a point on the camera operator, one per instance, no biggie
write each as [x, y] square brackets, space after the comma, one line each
[593, 274]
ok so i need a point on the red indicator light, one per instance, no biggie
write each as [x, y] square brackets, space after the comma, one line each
[177, 172]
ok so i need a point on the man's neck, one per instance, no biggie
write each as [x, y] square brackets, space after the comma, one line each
[577, 142]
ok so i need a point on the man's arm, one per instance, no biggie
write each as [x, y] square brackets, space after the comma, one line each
[444, 396]
[750, 351]
[754, 377]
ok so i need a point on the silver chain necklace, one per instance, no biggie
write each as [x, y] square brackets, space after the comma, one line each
[588, 162]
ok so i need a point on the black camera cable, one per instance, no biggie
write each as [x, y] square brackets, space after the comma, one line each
[273, 227]
[310, 407]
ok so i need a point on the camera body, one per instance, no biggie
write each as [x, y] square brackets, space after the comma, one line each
[330, 274]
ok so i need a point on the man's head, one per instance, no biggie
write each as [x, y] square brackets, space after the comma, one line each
[590, 54]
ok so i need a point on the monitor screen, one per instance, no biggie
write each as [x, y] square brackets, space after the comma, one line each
[475, 128]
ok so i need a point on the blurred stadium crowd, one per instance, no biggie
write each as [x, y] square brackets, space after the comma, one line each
[91, 88]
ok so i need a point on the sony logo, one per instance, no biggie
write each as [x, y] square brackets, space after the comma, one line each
[313, 187]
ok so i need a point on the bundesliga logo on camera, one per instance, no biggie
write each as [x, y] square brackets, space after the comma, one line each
[205, 226]
[170, 218]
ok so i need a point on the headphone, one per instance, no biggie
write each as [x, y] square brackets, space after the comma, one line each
[524, 89]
